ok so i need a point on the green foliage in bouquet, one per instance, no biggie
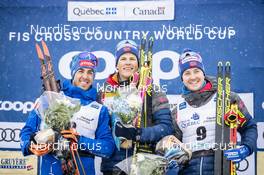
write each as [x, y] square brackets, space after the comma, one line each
[58, 115]
[148, 164]
[126, 107]
[151, 167]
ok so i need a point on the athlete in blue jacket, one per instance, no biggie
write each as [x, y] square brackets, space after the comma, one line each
[94, 138]
[195, 114]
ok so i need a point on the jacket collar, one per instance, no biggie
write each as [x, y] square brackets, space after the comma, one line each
[86, 96]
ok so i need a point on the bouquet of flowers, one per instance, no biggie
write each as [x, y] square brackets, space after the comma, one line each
[56, 111]
[124, 106]
[146, 164]
[127, 104]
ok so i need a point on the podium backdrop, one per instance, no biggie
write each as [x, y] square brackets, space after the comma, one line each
[222, 30]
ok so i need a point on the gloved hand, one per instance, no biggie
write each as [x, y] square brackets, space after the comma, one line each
[237, 154]
[173, 152]
[173, 168]
[40, 149]
[70, 134]
[129, 133]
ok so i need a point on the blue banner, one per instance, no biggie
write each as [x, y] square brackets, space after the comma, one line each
[223, 30]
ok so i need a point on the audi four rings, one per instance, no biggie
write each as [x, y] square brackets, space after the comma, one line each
[9, 134]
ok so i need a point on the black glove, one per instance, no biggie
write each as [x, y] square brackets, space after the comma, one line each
[127, 132]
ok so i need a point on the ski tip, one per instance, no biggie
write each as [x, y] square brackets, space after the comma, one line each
[39, 52]
[151, 41]
[144, 37]
[220, 63]
[227, 63]
[143, 43]
[45, 48]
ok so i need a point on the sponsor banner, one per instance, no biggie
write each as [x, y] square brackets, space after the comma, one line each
[9, 134]
[260, 142]
[121, 11]
[13, 162]
[260, 162]
[247, 166]
[18, 106]
[109, 59]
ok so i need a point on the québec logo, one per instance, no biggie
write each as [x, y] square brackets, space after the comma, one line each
[17, 106]
[111, 11]
[94, 11]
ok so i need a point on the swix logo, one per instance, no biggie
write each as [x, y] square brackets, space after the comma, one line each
[193, 64]
[16, 106]
[86, 63]
[127, 49]
[196, 58]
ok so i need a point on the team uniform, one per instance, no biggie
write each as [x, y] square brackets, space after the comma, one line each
[161, 124]
[194, 122]
[92, 122]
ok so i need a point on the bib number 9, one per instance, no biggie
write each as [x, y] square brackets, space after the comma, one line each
[201, 133]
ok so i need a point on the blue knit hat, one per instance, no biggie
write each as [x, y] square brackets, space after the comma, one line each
[83, 60]
[189, 59]
[126, 46]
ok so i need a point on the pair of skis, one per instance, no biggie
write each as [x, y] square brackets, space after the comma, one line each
[145, 75]
[69, 163]
[226, 121]
[47, 72]
[143, 79]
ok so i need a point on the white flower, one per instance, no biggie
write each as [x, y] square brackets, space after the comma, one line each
[134, 101]
[140, 157]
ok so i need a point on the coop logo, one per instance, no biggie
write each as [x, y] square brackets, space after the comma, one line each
[24, 107]
[159, 11]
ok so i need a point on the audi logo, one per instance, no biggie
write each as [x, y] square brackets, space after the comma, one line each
[9, 134]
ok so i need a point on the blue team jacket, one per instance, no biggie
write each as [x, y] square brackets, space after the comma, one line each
[48, 163]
